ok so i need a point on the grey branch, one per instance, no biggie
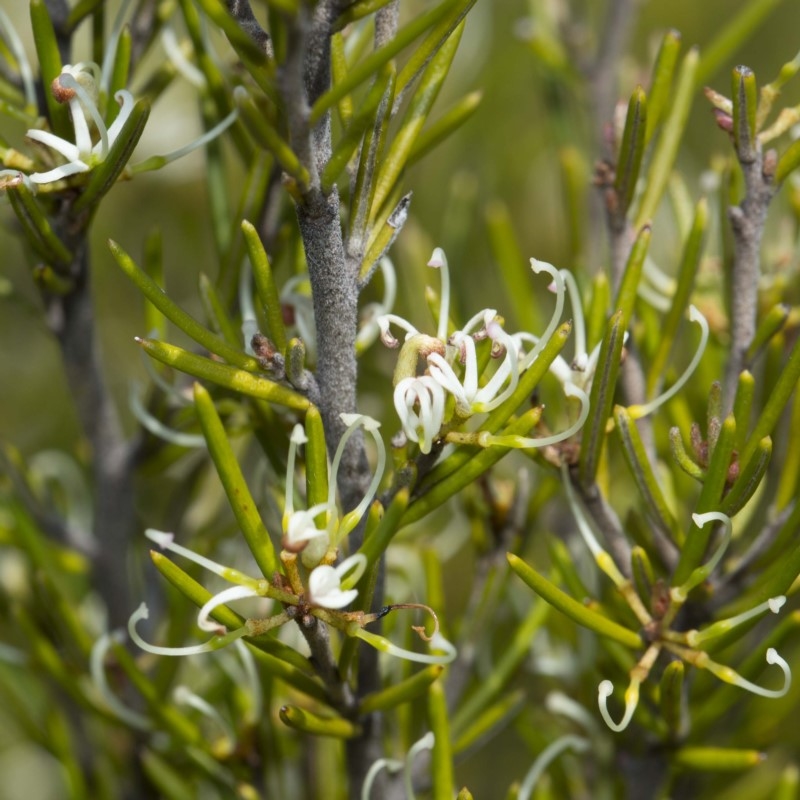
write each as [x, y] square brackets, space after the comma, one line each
[747, 221]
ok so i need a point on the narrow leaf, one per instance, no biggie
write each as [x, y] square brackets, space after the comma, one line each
[237, 380]
[105, 174]
[38, 231]
[666, 149]
[188, 324]
[690, 261]
[631, 150]
[404, 691]
[266, 288]
[441, 755]
[572, 608]
[431, 83]
[749, 479]
[230, 474]
[315, 725]
[661, 83]
[696, 543]
[776, 402]
[375, 61]
[744, 93]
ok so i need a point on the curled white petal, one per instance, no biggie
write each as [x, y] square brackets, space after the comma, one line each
[166, 541]
[438, 260]
[546, 757]
[14, 42]
[157, 427]
[604, 691]
[543, 266]
[637, 412]
[176, 55]
[423, 424]
[578, 324]
[221, 599]
[701, 573]
[185, 696]
[97, 670]
[126, 103]
[207, 647]
[729, 676]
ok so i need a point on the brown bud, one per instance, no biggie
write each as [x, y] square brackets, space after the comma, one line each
[61, 93]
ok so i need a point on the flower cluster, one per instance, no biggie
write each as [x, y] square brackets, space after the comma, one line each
[324, 590]
[686, 645]
[454, 368]
[83, 86]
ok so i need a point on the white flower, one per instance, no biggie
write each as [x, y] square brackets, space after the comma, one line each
[469, 398]
[300, 526]
[77, 85]
[325, 582]
[420, 405]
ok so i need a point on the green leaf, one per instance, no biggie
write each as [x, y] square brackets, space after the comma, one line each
[666, 149]
[35, 225]
[682, 458]
[696, 543]
[744, 93]
[237, 380]
[105, 174]
[790, 473]
[188, 324]
[404, 691]
[154, 320]
[447, 124]
[749, 479]
[631, 150]
[716, 759]
[266, 288]
[468, 469]
[266, 135]
[655, 506]
[316, 725]
[230, 474]
[514, 267]
[661, 83]
[215, 311]
[572, 608]
[671, 697]
[377, 541]
[352, 137]
[397, 155]
[788, 162]
[601, 399]
[776, 402]
[486, 724]
[690, 261]
[49, 58]
[241, 42]
[441, 756]
[316, 462]
[428, 48]
[774, 321]
[497, 681]
[375, 61]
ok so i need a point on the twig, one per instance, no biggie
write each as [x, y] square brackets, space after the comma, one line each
[71, 318]
[747, 221]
